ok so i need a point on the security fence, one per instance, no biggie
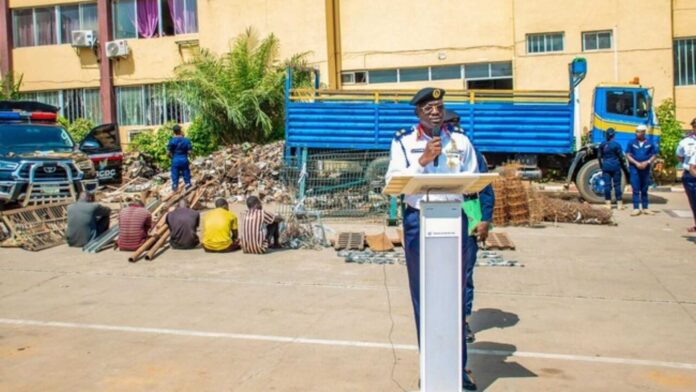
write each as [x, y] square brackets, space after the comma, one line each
[338, 184]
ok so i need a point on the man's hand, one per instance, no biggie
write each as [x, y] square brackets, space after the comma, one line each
[643, 165]
[481, 231]
[432, 151]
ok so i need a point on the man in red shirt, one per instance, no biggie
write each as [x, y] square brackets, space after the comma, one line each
[134, 222]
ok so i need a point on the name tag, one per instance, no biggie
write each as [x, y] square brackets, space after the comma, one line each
[417, 150]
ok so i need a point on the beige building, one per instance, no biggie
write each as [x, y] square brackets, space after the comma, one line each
[503, 44]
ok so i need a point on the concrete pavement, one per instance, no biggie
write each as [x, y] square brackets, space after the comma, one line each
[594, 308]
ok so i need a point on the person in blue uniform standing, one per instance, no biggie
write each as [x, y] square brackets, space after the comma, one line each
[641, 153]
[486, 202]
[611, 161]
[414, 151]
[686, 151]
[178, 150]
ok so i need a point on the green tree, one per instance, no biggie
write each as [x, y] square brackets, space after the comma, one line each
[671, 132]
[9, 87]
[78, 129]
[240, 93]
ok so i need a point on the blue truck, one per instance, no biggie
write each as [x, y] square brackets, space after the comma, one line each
[539, 129]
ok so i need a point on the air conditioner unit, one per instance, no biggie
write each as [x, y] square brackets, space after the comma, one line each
[118, 48]
[84, 38]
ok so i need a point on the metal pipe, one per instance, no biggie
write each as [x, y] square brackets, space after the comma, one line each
[159, 244]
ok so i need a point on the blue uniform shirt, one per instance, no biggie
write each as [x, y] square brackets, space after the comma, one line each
[179, 147]
[486, 196]
[610, 155]
[641, 152]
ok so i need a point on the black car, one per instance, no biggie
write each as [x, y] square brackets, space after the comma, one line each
[39, 161]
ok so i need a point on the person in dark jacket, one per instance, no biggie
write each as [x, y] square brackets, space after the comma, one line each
[611, 161]
[178, 149]
[183, 224]
[87, 220]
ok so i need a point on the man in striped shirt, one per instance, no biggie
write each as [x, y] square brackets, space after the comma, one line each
[134, 222]
[259, 228]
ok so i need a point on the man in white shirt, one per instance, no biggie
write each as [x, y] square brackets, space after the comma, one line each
[429, 147]
[686, 151]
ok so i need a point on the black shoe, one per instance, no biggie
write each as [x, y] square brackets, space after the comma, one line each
[468, 383]
[469, 334]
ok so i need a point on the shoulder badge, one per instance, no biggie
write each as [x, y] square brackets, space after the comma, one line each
[402, 132]
[457, 130]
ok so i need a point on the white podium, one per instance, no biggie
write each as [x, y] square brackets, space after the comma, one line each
[440, 273]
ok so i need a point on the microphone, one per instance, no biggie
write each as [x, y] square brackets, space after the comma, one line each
[436, 133]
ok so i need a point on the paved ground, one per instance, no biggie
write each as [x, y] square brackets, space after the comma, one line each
[594, 308]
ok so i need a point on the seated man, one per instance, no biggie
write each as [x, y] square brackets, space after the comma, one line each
[183, 226]
[87, 220]
[134, 222]
[220, 229]
[255, 237]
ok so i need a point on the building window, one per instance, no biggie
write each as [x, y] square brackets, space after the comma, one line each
[359, 77]
[470, 72]
[154, 18]
[685, 61]
[383, 76]
[596, 40]
[544, 43]
[34, 26]
[149, 105]
[73, 104]
[446, 72]
[76, 17]
[414, 74]
[488, 76]
[52, 25]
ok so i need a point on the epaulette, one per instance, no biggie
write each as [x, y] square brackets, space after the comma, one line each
[403, 132]
[457, 130]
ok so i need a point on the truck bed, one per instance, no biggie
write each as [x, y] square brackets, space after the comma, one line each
[533, 125]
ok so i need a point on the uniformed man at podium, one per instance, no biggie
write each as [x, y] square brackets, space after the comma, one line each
[429, 147]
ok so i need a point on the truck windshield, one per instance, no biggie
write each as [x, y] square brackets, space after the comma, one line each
[23, 138]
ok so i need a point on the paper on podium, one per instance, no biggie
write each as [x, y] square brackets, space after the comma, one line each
[434, 183]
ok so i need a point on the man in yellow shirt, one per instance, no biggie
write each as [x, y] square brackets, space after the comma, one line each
[220, 229]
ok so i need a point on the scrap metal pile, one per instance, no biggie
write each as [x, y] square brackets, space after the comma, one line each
[518, 204]
[232, 173]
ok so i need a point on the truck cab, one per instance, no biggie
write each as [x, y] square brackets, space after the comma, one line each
[39, 161]
[622, 107]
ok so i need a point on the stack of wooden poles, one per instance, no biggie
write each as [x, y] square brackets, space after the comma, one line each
[160, 232]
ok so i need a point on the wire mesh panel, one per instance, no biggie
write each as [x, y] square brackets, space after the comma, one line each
[338, 184]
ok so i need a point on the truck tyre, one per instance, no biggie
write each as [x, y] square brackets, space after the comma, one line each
[590, 183]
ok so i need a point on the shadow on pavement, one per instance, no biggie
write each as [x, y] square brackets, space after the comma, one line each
[489, 359]
[489, 363]
[689, 238]
[484, 319]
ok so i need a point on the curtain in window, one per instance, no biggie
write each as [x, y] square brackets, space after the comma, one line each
[23, 28]
[45, 25]
[69, 22]
[185, 16]
[148, 18]
[92, 105]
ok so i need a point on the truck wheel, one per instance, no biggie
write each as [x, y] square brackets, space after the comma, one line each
[590, 183]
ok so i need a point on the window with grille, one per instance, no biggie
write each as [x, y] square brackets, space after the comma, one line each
[544, 43]
[685, 61]
[73, 103]
[149, 105]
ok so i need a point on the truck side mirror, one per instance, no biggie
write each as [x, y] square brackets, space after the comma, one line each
[89, 145]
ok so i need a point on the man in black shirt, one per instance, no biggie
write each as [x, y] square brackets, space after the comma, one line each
[183, 225]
